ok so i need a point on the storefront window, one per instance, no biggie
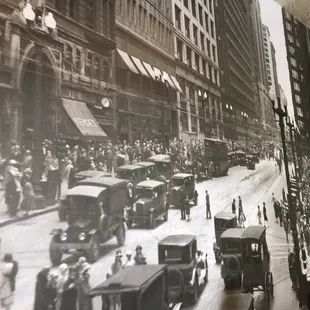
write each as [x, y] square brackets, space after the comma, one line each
[184, 121]
[194, 123]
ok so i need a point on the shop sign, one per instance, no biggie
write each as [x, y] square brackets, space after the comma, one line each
[84, 122]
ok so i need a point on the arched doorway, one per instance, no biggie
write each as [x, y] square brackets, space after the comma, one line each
[38, 85]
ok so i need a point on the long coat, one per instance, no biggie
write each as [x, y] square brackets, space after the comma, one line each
[6, 293]
[41, 301]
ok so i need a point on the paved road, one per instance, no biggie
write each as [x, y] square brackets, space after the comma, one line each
[29, 240]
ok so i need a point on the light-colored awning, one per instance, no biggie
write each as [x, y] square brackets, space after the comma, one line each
[150, 70]
[138, 63]
[166, 77]
[128, 61]
[176, 83]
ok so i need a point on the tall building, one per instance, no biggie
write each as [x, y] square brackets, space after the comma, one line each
[200, 107]
[297, 38]
[274, 64]
[145, 71]
[235, 46]
[55, 70]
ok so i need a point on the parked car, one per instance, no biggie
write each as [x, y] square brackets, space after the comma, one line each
[151, 204]
[222, 222]
[256, 274]
[163, 165]
[185, 275]
[149, 169]
[231, 302]
[241, 158]
[179, 180]
[79, 176]
[95, 215]
[141, 287]
[132, 173]
[250, 163]
[231, 267]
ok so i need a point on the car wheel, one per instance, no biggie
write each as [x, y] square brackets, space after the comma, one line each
[94, 252]
[55, 253]
[121, 234]
[193, 296]
[151, 221]
[62, 214]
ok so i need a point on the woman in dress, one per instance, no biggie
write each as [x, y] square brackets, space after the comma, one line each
[259, 216]
[265, 214]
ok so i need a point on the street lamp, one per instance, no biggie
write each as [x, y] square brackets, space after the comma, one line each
[282, 113]
[29, 14]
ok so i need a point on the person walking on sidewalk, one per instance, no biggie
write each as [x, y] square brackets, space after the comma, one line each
[259, 216]
[233, 206]
[265, 214]
[208, 211]
[240, 207]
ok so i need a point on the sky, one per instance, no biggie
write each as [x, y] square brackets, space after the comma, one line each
[272, 18]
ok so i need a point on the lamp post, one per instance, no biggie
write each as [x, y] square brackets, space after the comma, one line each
[277, 109]
[245, 117]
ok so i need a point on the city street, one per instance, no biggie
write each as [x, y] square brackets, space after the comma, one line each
[29, 240]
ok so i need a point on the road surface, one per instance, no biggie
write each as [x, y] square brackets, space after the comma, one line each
[29, 240]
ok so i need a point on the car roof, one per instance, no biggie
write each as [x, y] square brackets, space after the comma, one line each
[233, 301]
[160, 157]
[253, 232]
[129, 167]
[181, 175]
[128, 280]
[101, 181]
[91, 173]
[177, 240]
[225, 215]
[149, 184]
[145, 163]
[86, 190]
[232, 233]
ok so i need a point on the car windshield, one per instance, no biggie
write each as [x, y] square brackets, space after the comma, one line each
[223, 224]
[82, 206]
[162, 167]
[173, 254]
[125, 301]
[126, 174]
[231, 246]
[143, 192]
[177, 182]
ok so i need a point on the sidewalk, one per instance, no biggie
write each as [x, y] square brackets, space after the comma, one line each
[5, 219]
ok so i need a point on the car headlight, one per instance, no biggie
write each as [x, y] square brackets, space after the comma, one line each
[82, 236]
[64, 236]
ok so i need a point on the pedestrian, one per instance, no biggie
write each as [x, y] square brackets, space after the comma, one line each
[28, 202]
[62, 279]
[6, 292]
[187, 207]
[70, 293]
[259, 216]
[280, 208]
[84, 302]
[129, 261]
[265, 214]
[182, 206]
[233, 206]
[240, 212]
[139, 257]
[208, 211]
[276, 210]
[242, 219]
[41, 290]
[117, 264]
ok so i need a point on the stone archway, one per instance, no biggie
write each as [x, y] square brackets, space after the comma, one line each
[39, 81]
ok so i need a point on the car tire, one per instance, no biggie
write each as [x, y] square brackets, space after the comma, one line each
[121, 234]
[62, 214]
[192, 297]
[54, 252]
[94, 253]
[151, 223]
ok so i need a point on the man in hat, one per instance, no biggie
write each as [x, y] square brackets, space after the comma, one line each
[208, 211]
[139, 257]
[117, 265]
[129, 261]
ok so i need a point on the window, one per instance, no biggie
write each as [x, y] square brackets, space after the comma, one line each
[213, 53]
[189, 56]
[297, 98]
[202, 42]
[89, 13]
[216, 76]
[185, 2]
[203, 69]
[291, 49]
[72, 8]
[195, 38]
[194, 123]
[290, 38]
[184, 120]
[179, 50]
[210, 73]
[173, 254]
[207, 22]
[177, 17]
[293, 62]
[200, 14]
[194, 8]
[197, 62]
[208, 48]
[296, 86]
[211, 6]
[212, 29]
[288, 26]
[287, 15]
[299, 112]
[186, 22]
[295, 74]
[60, 6]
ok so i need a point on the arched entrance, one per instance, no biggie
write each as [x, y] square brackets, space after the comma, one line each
[38, 84]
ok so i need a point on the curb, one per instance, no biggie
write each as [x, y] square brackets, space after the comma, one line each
[23, 218]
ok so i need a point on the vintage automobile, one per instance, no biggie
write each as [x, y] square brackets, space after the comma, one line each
[177, 181]
[187, 272]
[241, 158]
[231, 159]
[163, 165]
[79, 176]
[256, 274]
[132, 173]
[151, 204]
[141, 287]
[231, 267]
[95, 214]
[148, 171]
[256, 156]
[222, 221]
[250, 163]
[219, 301]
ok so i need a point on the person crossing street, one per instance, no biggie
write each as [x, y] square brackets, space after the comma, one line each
[208, 211]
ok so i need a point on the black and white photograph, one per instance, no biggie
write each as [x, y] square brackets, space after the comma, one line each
[154, 154]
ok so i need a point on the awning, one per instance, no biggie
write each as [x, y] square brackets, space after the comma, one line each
[138, 63]
[150, 70]
[176, 83]
[166, 77]
[128, 62]
[83, 119]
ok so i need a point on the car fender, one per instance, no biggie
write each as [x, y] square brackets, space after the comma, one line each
[152, 210]
[177, 306]
[56, 231]
[193, 279]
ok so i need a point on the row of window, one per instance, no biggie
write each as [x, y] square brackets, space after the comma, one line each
[193, 5]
